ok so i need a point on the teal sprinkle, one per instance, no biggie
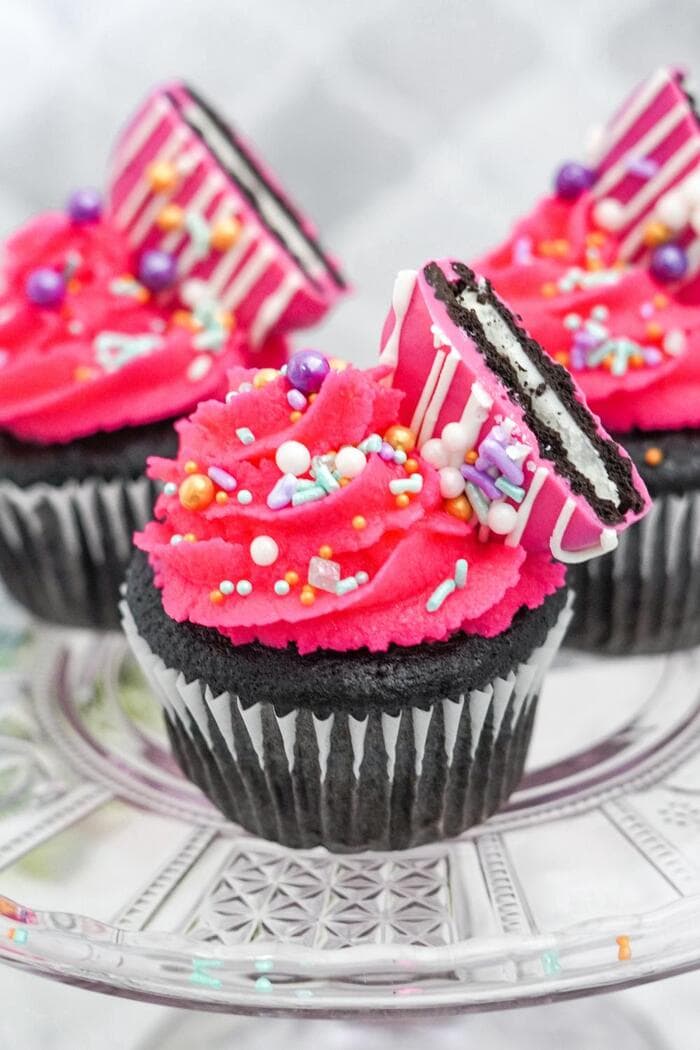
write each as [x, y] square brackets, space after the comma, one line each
[198, 229]
[362, 577]
[572, 322]
[414, 483]
[371, 444]
[263, 984]
[281, 588]
[550, 963]
[263, 965]
[461, 569]
[20, 937]
[443, 591]
[199, 976]
[244, 588]
[346, 585]
[244, 497]
[245, 435]
[170, 488]
[304, 993]
[324, 477]
[508, 489]
[621, 351]
[113, 350]
[308, 495]
[125, 286]
[211, 338]
[305, 483]
[478, 502]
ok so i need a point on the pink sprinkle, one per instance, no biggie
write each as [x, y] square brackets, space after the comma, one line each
[646, 310]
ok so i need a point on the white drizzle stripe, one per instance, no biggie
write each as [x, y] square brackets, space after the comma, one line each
[525, 509]
[647, 94]
[608, 539]
[221, 274]
[249, 276]
[427, 391]
[441, 391]
[400, 299]
[653, 189]
[191, 253]
[140, 192]
[141, 133]
[653, 138]
[476, 412]
[274, 306]
[205, 193]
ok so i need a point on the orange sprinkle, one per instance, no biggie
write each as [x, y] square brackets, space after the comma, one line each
[624, 952]
[549, 290]
[143, 295]
[292, 578]
[660, 301]
[359, 523]
[594, 264]
[596, 239]
[161, 176]
[294, 416]
[182, 318]
[311, 398]
[636, 361]
[562, 357]
[191, 467]
[653, 456]
[471, 456]
[545, 248]
[325, 551]
[654, 331]
[655, 233]
[170, 218]
[74, 285]
[608, 361]
[343, 482]
[560, 247]
[403, 499]
[224, 234]
[307, 596]
[221, 497]
[459, 507]
[82, 373]
[216, 597]
[411, 466]
[190, 537]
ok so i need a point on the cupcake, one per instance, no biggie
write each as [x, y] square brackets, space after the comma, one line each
[115, 320]
[353, 586]
[606, 276]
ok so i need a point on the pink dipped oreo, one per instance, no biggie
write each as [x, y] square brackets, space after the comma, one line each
[192, 200]
[505, 426]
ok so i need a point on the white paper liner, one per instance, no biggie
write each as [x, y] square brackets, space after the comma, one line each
[645, 595]
[64, 549]
[385, 781]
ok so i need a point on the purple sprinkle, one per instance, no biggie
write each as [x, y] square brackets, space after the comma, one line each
[296, 400]
[222, 478]
[386, 452]
[645, 167]
[281, 494]
[651, 356]
[578, 359]
[584, 340]
[491, 453]
[522, 251]
[646, 311]
[482, 480]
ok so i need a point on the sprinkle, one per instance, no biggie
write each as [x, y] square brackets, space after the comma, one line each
[222, 478]
[199, 367]
[244, 588]
[653, 456]
[443, 591]
[170, 488]
[646, 310]
[176, 538]
[324, 574]
[127, 286]
[189, 537]
[307, 596]
[216, 597]
[281, 494]
[291, 577]
[572, 322]
[624, 953]
[263, 984]
[245, 435]
[294, 417]
[226, 587]
[514, 491]
[325, 551]
[362, 577]
[113, 350]
[400, 457]
[478, 502]
[244, 496]
[308, 495]
[461, 569]
[386, 452]
[403, 500]
[413, 483]
[191, 467]
[221, 498]
[346, 585]
[371, 444]
[411, 466]
[263, 965]
[281, 587]
[481, 479]
[359, 522]
[550, 963]
[323, 476]
[296, 400]
[600, 312]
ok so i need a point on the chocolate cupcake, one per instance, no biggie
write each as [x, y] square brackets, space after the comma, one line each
[347, 600]
[605, 274]
[117, 320]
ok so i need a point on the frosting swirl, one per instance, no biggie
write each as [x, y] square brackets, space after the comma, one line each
[108, 356]
[371, 560]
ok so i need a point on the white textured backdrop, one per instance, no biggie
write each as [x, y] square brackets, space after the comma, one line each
[407, 128]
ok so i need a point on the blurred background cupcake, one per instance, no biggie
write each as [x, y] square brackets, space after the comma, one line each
[116, 318]
[606, 274]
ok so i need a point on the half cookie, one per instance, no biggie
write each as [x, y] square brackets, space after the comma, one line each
[537, 466]
[183, 182]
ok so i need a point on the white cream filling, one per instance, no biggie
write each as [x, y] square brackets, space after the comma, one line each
[269, 207]
[545, 402]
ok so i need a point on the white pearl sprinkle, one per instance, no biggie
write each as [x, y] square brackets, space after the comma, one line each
[672, 210]
[170, 489]
[264, 550]
[609, 214]
[451, 483]
[199, 367]
[175, 539]
[244, 588]
[691, 190]
[281, 588]
[455, 437]
[227, 587]
[674, 341]
[435, 453]
[244, 496]
[501, 518]
[293, 458]
[350, 461]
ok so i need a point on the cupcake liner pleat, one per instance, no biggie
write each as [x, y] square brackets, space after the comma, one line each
[644, 597]
[385, 781]
[64, 549]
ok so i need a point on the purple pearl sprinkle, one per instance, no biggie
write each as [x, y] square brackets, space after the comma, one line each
[45, 287]
[572, 179]
[668, 262]
[306, 370]
[482, 480]
[84, 206]
[157, 270]
[296, 400]
[222, 478]
[386, 452]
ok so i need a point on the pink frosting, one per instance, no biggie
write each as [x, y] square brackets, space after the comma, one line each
[405, 551]
[56, 385]
[665, 395]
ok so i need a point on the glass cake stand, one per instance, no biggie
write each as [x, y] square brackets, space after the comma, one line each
[117, 875]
